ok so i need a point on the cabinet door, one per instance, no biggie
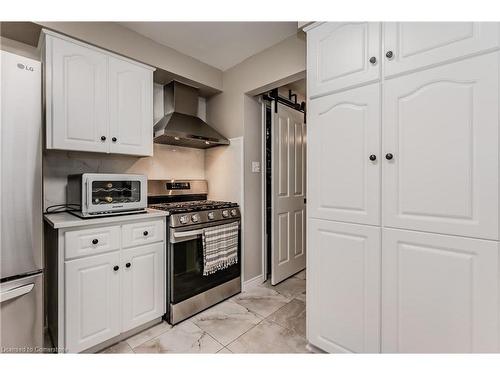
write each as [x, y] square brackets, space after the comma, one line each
[131, 108]
[142, 280]
[343, 287]
[439, 293]
[419, 44]
[76, 97]
[92, 300]
[338, 56]
[344, 131]
[441, 125]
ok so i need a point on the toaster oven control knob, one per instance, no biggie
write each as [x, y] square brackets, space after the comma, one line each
[195, 218]
[225, 213]
[211, 215]
[183, 219]
[233, 212]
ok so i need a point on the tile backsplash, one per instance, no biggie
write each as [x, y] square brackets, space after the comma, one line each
[167, 162]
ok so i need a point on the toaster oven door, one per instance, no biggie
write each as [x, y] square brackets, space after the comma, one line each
[114, 193]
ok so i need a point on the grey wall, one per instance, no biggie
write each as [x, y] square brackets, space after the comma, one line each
[252, 186]
[119, 39]
[236, 114]
[18, 48]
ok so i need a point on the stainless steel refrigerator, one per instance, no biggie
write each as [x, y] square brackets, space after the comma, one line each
[21, 275]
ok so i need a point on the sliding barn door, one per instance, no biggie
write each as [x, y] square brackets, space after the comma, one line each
[288, 193]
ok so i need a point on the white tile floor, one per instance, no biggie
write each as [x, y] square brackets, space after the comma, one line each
[264, 319]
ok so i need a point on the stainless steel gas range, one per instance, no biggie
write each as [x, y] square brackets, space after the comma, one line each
[189, 291]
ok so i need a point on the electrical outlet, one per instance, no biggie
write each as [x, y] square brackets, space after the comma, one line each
[256, 166]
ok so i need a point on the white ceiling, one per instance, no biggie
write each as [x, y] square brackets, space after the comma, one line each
[219, 44]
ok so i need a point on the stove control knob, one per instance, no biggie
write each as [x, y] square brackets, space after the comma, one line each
[234, 212]
[225, 213]
[211, 215]
[183, 219]
[195, 218]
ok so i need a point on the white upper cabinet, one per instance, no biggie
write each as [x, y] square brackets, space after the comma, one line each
[131, 108]
[96, 101]
[415, 45]
[76, 97]
[343, 287]
[341, 55]
[439, 293]
[344, 132]
[441, 127]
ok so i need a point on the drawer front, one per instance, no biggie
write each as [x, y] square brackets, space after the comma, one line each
[142, 233]
[91, 241]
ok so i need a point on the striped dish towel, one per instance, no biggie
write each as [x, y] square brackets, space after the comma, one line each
[220, 247]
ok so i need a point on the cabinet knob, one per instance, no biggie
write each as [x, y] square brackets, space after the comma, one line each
[373, 60]
[127, 265]
[389, 54]
[103, 138]
[145, 233]
[113, 139]
[95, 241]
[389, 156]
[116, 268]
[373, 157]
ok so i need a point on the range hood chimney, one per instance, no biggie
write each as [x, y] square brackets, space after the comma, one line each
[181, 125]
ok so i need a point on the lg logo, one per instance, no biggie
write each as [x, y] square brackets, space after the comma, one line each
[25, 67]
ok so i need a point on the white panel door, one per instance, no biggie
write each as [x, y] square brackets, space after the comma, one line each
[76, 97]
[142, 284]
[441, 128]
[439, 293]
[341, 55]
[343, 287]
[131, 108]
[288, 213]
[415, 45]
[343, 136]
[92, 305]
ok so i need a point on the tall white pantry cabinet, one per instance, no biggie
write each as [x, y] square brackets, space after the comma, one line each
[403, 161]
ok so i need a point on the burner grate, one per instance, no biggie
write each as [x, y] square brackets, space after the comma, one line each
[190, 206]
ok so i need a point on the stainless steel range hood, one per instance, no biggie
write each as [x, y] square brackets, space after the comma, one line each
[181, 125]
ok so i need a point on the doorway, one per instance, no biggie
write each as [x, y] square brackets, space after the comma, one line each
[284, 181]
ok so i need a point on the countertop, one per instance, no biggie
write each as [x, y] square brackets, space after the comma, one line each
[67, 220]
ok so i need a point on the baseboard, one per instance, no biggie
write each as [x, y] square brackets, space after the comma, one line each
[255, 281]
[314, 349]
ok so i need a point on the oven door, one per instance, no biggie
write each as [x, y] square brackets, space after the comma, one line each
[114, 192]
[186, 263]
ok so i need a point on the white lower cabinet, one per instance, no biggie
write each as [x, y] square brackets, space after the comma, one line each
[439, 293]
[108, 290]
[92, 300]
[142, 285]
[343, 287]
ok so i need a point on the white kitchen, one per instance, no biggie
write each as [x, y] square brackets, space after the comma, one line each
[207, 186]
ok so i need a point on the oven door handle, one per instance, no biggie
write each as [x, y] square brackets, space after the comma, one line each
[177, 237]
[188, 233]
